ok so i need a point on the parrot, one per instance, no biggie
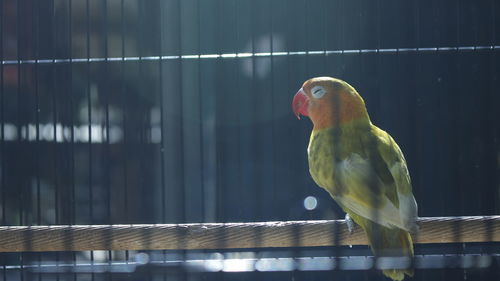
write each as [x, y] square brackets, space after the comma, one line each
[360, 166]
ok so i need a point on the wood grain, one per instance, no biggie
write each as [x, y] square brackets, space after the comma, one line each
[231, 235]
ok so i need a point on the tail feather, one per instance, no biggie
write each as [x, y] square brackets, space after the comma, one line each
[388, 242]
[403, 240]
[397, 274]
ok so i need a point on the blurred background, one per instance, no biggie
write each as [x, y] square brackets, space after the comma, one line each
[179, 111]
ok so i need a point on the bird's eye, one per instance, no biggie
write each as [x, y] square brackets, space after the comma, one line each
[318, 91]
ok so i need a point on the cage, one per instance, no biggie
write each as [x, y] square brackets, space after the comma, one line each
[155, 140]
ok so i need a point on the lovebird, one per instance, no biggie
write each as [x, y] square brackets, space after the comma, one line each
[360, 166]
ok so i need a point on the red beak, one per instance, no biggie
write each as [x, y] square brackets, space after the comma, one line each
[300, 104]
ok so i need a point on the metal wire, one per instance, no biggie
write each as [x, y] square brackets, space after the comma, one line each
[445, 49]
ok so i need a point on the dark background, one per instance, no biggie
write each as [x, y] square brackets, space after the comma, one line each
[206, 139]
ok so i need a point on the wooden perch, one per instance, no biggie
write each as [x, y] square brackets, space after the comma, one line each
[231, 235]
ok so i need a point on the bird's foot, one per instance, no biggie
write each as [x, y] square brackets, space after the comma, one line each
[414, 228]
[350, 223]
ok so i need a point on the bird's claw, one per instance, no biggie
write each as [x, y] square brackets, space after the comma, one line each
[349, 222]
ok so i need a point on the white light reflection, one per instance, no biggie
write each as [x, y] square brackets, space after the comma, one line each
[81, 133]
[97, 255]
[217, 263]
[316, 264]
[239, 262]
[310, 203]
[275, 265]
[214, 262]
[141, 258]
[238, 265]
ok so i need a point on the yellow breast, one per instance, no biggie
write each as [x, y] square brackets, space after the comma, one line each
[322, 160]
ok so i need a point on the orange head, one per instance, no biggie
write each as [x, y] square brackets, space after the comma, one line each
[330, 103]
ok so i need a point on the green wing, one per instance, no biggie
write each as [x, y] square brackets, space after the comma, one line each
[375, 182]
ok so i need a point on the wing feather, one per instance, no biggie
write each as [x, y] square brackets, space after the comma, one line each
[356, 174]
[393, 156]
[369, 193]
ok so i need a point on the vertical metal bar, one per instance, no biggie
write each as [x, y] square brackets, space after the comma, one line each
[493, 89]
[2, 128]
[219, 117]
[289, 35]
[306, 18]
[183, 218]
[185, 275]
[418, 70]
[54, 116]
[200, 127]
[19, 121]
[399, 88]
[325, 35]
[342, 33]
[373, 145]
[237, 67]
[238, 82]
[72, 135]
[273, 130]
[456, 164]
[360, 42]
[89, 114]
[140, 53]
[272, 119]
[52, 86]
[182, 183]
[162, 114]
[257, 208]
[336, 250]
[145, 125]
[124, 107]
[106, 105]
[457, 230]
[219, 189]
[37, 114]
[19, 128]
[325, 66]
[72, 124]
[162, 126]
[107, 154]
[35, 25]
[201, 123]
[2, 122]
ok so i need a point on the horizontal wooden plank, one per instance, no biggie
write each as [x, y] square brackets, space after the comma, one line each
[231, 235]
